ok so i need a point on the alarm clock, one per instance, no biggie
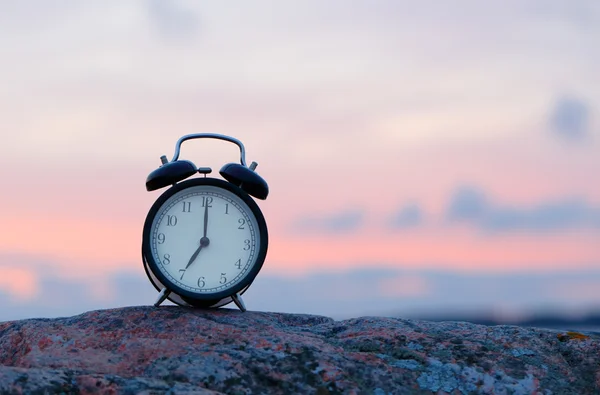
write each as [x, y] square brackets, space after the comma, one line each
[204, 239]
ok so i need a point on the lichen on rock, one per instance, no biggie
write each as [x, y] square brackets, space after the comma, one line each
[181, 350]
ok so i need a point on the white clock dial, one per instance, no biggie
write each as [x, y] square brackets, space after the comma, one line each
[205, 239]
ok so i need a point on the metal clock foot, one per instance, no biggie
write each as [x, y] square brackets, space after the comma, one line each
[239, 302]
[164, 294]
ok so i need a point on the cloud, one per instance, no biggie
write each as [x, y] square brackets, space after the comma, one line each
[60, 296]
[347, 221]
[21, 282]
[373, 290]
[560, 215]
[34, 286]
[467, 204]
[367, 290]
[570, 118]
[409, 216]
[470, 205]
[171, 20]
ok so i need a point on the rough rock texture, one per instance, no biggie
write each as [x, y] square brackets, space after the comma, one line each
[177, 350]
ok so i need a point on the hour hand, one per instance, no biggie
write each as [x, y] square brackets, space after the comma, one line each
[194, 256]
[203, 243]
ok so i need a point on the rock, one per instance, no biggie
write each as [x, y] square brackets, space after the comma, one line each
[179, 350]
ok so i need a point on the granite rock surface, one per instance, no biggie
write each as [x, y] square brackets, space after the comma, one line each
[178, 350]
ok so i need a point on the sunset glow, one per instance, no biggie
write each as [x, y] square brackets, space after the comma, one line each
[415, 138]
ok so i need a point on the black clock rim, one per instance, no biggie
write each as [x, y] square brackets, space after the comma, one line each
[212, 297]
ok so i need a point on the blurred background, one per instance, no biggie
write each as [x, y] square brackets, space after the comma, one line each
[425, 159]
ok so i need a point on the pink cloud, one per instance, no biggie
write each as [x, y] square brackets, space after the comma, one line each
[20, 283]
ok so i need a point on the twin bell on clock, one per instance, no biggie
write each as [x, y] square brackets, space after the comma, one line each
[204, 239]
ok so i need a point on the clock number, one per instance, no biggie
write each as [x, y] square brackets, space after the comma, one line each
[201, 282]
[171, 220]
[182, 271]
[187, 207]
[241, 221]
[226, 208]
[166, 259]
[207, 201]
[238, 264]
[246, 245]
[161, 238]
[223, 279]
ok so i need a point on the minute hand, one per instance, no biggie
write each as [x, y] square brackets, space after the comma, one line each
[204, 240]
[205, 218]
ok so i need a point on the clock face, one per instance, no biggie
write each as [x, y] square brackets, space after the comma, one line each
[204, 240]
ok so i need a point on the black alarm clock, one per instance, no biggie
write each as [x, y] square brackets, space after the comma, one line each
[204, 239]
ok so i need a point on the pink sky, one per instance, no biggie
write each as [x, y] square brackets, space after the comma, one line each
[352, 112]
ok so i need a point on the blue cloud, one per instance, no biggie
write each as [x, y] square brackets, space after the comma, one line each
[409, 216]
[171, 20]
[467, 204]
[470, 205]
[335, 293]
[337, 223]
[561, 215]
[570, 118]
[342, 294]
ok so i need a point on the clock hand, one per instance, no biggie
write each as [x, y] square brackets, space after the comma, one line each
[203, 243]
[205, 218]
[194, 256]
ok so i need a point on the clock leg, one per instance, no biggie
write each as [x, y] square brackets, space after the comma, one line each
[164, 294]
[239, 302]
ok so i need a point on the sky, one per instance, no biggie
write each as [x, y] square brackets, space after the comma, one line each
[422, 157]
